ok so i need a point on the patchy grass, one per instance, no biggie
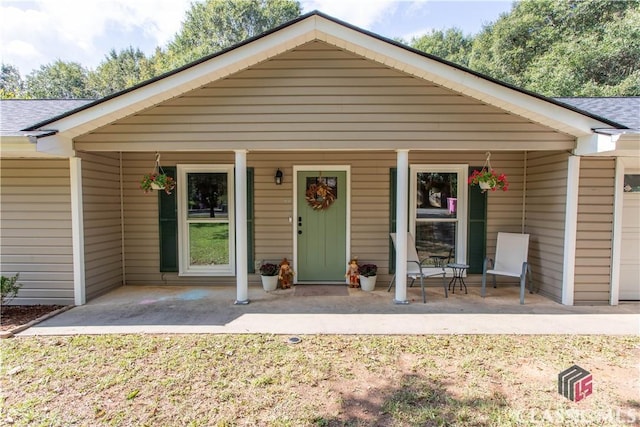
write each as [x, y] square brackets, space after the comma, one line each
[235, 380]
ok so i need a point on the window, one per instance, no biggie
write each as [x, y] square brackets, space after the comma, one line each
[438, 212]
[631, 183]
[205, 204]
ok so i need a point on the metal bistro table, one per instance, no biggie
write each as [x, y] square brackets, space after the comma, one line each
[458, 277]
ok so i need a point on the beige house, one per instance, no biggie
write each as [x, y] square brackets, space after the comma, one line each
[391, 132]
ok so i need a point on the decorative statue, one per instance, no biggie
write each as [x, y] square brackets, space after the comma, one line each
[353, 273]
[286, 274]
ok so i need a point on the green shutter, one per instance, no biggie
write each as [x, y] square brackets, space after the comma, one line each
[168, 210]
[250, 223]
[477, 228]
[393, 176]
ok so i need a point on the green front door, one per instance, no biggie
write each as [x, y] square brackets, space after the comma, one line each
[321, 225]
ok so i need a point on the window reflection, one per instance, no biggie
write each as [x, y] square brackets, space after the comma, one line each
[631, 183]
[207, 195]
[436, 195]
[435, 241]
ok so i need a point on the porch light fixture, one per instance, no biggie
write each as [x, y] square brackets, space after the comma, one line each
[278, 177]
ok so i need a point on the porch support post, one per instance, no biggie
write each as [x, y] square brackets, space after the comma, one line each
[570, 230]
[242, 280]
[402, 205]
[77, 231]
[616, 250]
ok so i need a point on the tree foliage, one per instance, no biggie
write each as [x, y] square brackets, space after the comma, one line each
[217, 24]
[553, 47]
[564, 47]
[119, 71]
[451, 45]
[10, 82]
[61, 80]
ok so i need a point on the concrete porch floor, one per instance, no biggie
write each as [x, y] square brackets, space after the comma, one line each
[200, 309]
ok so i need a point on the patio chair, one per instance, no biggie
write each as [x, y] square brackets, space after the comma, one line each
[511, 260]
[416, 268]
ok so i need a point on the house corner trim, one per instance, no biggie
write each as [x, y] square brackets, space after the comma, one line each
[77, 231]
[570, 230]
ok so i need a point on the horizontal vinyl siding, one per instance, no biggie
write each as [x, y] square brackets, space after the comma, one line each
[545, 206]
[595, 231]
[35, 225]
[274, 205]
[141, 241]
[318, 96]
[102, 223]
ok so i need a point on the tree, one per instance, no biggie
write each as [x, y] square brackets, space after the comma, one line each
[11, 84]
[120, 71]
[217, 24]
[564, 47]
[60, 80]
[451, 45]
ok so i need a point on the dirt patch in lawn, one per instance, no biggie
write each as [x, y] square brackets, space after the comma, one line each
[13, 316]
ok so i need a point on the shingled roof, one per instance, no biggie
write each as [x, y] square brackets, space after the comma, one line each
[18, 114]
[623, 109]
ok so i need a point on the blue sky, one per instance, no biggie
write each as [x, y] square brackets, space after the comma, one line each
[38, 32]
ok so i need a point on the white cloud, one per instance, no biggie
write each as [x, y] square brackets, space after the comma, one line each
[71, 29]
[361, 13]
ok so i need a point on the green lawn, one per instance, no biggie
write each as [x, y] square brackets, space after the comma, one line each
[229, 380]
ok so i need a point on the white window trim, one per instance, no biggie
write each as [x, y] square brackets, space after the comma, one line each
[462, 192]
[185, 269]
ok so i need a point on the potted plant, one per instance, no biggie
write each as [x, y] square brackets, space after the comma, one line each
[269, 276]
[157, 181]
[368, 276]
[488, 179]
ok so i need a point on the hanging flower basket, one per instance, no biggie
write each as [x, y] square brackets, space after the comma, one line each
[158, 179]
[488, 179]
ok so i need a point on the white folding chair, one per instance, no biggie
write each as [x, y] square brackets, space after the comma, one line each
[416, 268]
[511, 260]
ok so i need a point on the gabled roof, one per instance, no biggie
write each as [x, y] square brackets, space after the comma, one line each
[317, 26]
[621, 109]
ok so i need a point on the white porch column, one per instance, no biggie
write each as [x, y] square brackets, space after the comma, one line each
[570, 230]
[77, 231]
[616, 250]
[402, 204]
[242, 279]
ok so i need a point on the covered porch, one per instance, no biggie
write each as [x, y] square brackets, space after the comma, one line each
[207, 309]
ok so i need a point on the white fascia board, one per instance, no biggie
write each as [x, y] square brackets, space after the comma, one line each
[529, 107]
[177, 84]
[56, 145]
[618, 145]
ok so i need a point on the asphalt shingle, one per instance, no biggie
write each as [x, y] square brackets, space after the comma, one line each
[18, 114]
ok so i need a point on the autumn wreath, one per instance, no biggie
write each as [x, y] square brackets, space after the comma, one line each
[320, 196]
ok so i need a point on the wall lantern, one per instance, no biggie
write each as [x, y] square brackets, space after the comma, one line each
[278, 177]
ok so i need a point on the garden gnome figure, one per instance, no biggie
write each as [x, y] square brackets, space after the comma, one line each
[353, 273]
[286, 274]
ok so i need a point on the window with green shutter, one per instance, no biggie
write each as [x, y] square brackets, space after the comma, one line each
[168, 224]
